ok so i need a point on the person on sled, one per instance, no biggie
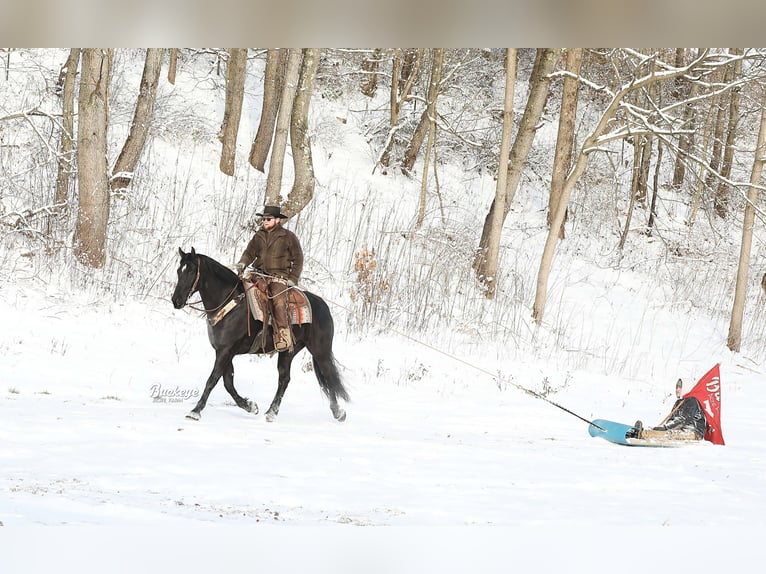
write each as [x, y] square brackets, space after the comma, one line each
[686, 421]
[276, 254]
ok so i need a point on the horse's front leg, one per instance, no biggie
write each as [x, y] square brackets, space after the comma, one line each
[222, 363]
[283, 367]
[228, 383]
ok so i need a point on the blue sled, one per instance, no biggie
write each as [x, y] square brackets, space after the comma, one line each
[613, 432]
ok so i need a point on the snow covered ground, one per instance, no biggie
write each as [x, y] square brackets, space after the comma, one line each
[431, 445]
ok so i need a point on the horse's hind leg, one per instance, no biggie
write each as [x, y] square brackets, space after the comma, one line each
[283, 367]
[228, 383]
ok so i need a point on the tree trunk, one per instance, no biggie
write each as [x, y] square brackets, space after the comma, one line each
[487, 262]
[716, 154]
[410, 62]
[686, 140]
[539, 83]
[411, 154]
[66, 144]
[274, 177]
[734, 339]
[433, 94]
[370, 70]
[591, 143]
[562, 159]
[235, 92]
[702, 166]
[721, 202]
[173, 65]
[124, 167]
[400, 91]
[645, 162]
[273, 82]
[303, 185]
[638, 151]
[89, 241]
[655, 189]
[396, 69]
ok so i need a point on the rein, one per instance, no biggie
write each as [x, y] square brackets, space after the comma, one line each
[198, 305]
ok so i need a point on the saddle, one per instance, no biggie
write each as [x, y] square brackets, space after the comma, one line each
[258, 301]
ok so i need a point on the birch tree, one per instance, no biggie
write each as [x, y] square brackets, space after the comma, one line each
[89, 241]
[66, 142]
[539, 84]
[622, 118]
[433, 94]
[300, 143]
[400, 93]
[721, 203]
[370, 67]
[486, 270]
[276, 165]
[734, 338]
[172, 65]
[273, 82]
[127, 161]
[235, 92]
[562, 159]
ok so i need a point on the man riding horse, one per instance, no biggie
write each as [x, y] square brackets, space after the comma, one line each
[275, 253]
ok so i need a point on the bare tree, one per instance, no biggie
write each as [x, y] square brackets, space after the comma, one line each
[66, 144]
[562, 159]
[400, 93]
[370, 67]
[272, 94]
[716, 154]
[486, 269]
[126, 163]
[235, 92]
[539, 84]
[635, 121]
[721, 202]
[421, 131]
[684, 91]
[734, 339]
[274, 177]
[300, 143]
[89, 241]
[173, 65]
[433, 94]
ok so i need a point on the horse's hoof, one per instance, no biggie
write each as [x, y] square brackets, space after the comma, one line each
[193, 416]
[340, 416]
[270, 417]
[252, 407]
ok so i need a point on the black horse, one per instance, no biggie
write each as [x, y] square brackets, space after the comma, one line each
[237, 333]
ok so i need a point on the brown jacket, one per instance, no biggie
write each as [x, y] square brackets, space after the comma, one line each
[277, 252]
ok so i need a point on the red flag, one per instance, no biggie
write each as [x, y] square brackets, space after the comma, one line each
[708, 392]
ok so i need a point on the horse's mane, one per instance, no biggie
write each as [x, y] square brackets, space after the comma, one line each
[218, 269]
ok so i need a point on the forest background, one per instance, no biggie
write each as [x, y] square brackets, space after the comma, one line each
[647, 156]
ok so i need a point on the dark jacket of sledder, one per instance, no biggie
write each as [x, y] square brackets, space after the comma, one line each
[687, 414]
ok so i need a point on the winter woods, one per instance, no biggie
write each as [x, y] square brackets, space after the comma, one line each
[504, 158]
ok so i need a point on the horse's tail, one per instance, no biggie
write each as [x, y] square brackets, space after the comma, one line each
[329, 378]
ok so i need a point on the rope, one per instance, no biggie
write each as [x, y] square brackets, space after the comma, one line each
[480, 369]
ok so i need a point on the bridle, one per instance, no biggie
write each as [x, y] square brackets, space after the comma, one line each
[198, 306]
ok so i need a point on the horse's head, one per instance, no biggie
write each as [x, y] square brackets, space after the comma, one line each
[188, 278]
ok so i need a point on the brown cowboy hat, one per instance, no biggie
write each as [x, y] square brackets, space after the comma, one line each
[272, 210]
